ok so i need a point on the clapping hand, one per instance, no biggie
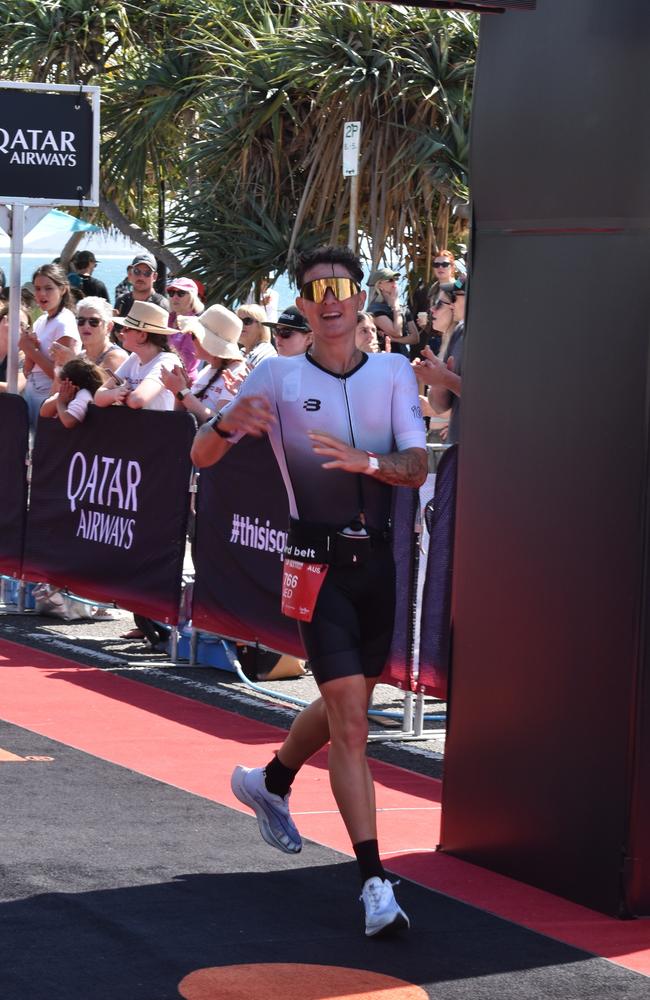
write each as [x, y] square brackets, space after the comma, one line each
[174, 380]
[233, 382]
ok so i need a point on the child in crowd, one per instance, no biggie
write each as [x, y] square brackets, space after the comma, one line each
[78, 382]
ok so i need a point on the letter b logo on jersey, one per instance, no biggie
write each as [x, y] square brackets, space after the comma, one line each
[311, 404]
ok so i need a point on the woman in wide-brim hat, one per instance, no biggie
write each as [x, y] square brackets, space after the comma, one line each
[215, 334]
[137, 382]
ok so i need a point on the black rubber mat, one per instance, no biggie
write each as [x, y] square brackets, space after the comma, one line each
[115, 887]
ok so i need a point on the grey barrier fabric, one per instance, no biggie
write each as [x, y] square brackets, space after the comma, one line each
[109, 507]
[405, 551]
[14, 438]
[435, 623]
[242, 517]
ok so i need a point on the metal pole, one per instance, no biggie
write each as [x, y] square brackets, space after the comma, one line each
[407, 724]
[354, 204]
[16, 250]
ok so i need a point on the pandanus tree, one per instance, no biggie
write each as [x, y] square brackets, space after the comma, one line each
[226, 124]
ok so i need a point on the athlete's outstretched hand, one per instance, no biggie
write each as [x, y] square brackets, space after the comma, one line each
[250, 414]
[341, 455]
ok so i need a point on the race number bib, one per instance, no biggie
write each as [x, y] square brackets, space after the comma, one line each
[301, 584]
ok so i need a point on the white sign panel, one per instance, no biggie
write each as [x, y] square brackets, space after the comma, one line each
[351, 142]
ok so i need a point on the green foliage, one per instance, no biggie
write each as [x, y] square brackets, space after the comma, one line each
[237, 111]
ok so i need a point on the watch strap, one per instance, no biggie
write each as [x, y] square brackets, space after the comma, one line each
[214, 424]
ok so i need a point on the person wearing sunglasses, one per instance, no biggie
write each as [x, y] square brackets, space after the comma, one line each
[444, 270]
[385, 308]
[255, 339]
[291, 333]
[443, 372]
[183, 295]
[142, 273]
[345, 427]
[95, 325]
[215, 334]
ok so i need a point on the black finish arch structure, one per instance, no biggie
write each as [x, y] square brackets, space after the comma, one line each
[547, 774]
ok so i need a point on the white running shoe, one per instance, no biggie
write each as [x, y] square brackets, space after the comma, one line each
[272, 811]
[383, 914]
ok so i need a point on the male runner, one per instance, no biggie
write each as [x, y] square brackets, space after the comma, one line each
[345, 426]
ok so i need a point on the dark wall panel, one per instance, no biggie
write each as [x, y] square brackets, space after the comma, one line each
[557, 132]
[551, 549]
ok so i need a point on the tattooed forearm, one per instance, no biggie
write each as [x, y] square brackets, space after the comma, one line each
[403, 468]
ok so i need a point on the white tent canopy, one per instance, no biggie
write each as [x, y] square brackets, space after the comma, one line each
[51, 233]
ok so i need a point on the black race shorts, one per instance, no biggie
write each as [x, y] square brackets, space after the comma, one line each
[352, 626]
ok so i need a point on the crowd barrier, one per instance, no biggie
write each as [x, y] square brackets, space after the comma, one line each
[108, 508]
[107, 519]
[14, 435]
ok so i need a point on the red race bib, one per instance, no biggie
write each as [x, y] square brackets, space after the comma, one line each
[301, 584]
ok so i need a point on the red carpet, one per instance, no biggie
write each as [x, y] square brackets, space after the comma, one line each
[194, 746]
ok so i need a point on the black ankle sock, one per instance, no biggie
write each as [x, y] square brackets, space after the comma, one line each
[278, 778]
[370, 866]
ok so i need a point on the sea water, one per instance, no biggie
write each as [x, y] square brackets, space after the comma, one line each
[111, 269]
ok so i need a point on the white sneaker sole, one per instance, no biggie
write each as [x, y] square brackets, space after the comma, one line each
[239, 791]
[400, 922]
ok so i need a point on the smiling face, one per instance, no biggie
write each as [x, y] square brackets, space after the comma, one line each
[48, 294]
[332, 319]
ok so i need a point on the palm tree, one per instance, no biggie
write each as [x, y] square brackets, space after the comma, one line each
[234, 119]
[274, 103]
[102, 42]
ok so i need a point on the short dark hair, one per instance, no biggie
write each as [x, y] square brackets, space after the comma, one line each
[84, 374]
[329, 255]
[83, 258]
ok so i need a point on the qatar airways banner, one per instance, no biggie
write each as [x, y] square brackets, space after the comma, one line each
[14, 442]
[109, 506]
[241, 533]
[49, 144]
[435, 621]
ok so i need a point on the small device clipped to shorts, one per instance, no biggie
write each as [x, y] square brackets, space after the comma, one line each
[352, 544]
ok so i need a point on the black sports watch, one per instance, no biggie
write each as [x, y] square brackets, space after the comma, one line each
[182, 393]
[214, 424]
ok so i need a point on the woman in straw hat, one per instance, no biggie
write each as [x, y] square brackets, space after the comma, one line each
[215, 334]
[136, 383]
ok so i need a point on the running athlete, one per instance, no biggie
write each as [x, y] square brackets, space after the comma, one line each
[344, 426]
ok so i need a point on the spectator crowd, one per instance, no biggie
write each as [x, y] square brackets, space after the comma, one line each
[161, 349]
